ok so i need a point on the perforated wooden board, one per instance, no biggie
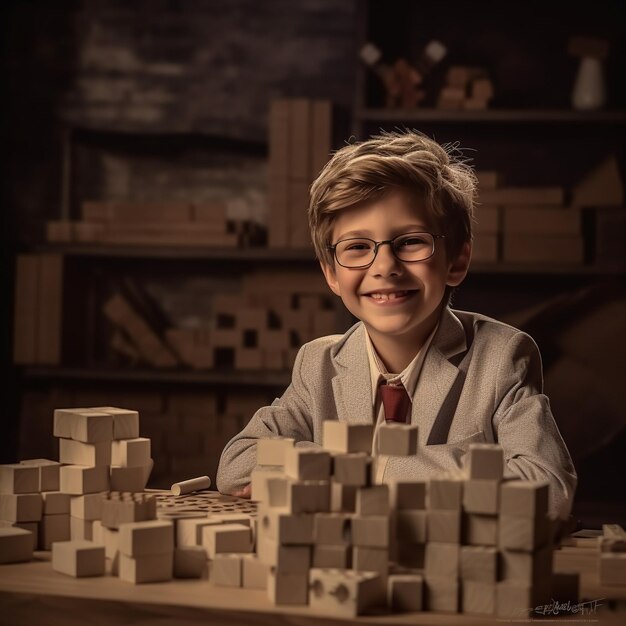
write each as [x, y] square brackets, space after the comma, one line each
[202, 502]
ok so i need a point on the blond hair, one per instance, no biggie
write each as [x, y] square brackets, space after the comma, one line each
[409, 160]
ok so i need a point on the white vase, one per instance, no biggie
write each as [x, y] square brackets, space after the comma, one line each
[589, 90]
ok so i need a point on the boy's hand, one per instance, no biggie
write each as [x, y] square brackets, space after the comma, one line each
[243, 493]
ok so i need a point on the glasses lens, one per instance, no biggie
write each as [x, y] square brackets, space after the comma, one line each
[355, 252]
[414, 246]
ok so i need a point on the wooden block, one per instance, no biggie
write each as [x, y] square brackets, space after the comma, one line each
[226, 538]
[478, 563]
[300, 112]
[481, 89]
[189, 531]
[442, 560]
[111, 541]
[481, 496]
[411, 526]
[524, 498]
[287, 587]
[55, 503]
[519, 248]
[278, 213]
[332, 529]
[342, 497]
[407, 495]
[442, 594]
[397, 439]
[53, 528]
[122, 508]
[279, 138]
[344, 593]
[26, 309]
[517, 600]
[73, 452]
[285, 528]
[31, 527]
[321, 135]
[445, 494]
[526, 196]
[326, 556]
[526, 567]
[125, 422]
[80, 529]
[371, 560]
[485, 248]
[542, 220]
[309, 496]
[190, 486]
[405, 593]
[566, 587]
[371, 531]
[352, 469]
[21, 507]
[150, 568]
[295, 559]
[131, 452]
[343, 437]
[16, 545]
[81, 479]
[523, 533]
[131, 479]
[602, 186]
[138, 539]
[86, 425]
[272, 451]
[226, 570]
[480, 530]
[50, 306]
[412, 555]
[612, 568]
[372, 500]
[258, 481]
[478, 598]
[16, 478]
[307, 464]
[48, 473]
[87, 507]
[485, 461]
[254, 572]
[274, 338]
[248, 358]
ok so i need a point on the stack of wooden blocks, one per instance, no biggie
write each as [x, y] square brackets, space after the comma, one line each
[612, 557]
[465, 88]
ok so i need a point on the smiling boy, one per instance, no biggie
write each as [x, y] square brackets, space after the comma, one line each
[391, 223]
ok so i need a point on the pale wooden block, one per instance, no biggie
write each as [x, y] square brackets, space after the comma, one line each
[444, 526]
[131, 452]
[524, 498]
[372, 500]
[143, 538]
[412, 555]
[223, 538]
[131, 479]
[516, 600]
[73, 452]
[442, 560]
[86, 425]
[226, 570]
[87, 507]
[120, 508]
[352, 469]
[405, 593]
[397, 439]
[612, 568]
[48, 473]
[16, 545]
[523, 533]
[526, 568]
[55, 503]
[407, 495]
[371, 531]
[21, 507]
[442, 594]
[326, 556]
[478, 563]
[344, 593]
[485, 461]
[111, 540]
[150, 568]
[295, 559]
[307, 496]
[189, 531]
[254, 572]
[307, 463]
[272, 450]
[125, 421]
[332, 529]
[343, 437]
[78, 558]
[342, 497]
[80, 479]
[233, 518]
[189, 486]
[480, 530]
[97, 534]
[371, 560]
[481, 496]
[411, 526]
[285, 528]
[80, 529]
[566, 587]
[287, 587]
[53, 528]
[258, 481]
[478, 598]
[31, 527]
[445, 493]
[16, 478]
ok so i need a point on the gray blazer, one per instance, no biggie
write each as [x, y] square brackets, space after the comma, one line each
[481, 381]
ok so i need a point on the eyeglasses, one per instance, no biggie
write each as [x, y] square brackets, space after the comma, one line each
[360, 252]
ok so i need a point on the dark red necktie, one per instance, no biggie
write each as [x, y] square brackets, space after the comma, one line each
[396, 402]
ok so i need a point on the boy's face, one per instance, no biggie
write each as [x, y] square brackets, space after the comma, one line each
[419, 287]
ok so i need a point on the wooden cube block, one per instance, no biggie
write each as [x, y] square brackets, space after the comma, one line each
[444, 526]
[150, 568]
[87, 507]
[371, 560]
[524, 498]
[407, 495]
[73, 452]
[405, 593]
[254, 572]
[526, 568]
[130, 479]
[131, 452]
[481, 496]
[287, 587]
[309, 496]
[53, 528]
[480, 530]
[190, 562]
[397, 439]
[352, 469]
[284, 558]
[31, 527]
[523, 533]
[16, 478]
[16, 545]
[412, 555]
[442, 560]
[111, 541]
[612, 568]
[342, 497]
[143, 538]
[21, 507]
[285, 528]
[478, 563]
[120, 508]
[517, 600]
[332, 529]
[55, 503]
[189, 530]
[226, 538]
[48, 473]
[307, 464]
[226, 570]
[445, 493]
[326, 556]
[80, 529]
[372, 500]
[442, 594]
[411, 526]
[258, 481]
[271, 451]
[81, 479]
[86, 425]
[371, 531]
[478, 598]
[343, 437]
[78, 558]
[344, 593]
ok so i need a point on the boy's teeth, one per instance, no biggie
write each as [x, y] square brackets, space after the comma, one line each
[388, 296]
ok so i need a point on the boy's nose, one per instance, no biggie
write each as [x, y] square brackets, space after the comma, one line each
[385, 263]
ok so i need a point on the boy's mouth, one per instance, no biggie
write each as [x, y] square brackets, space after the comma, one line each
[389, 296]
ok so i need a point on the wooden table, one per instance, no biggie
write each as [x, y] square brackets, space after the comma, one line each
[32, 594]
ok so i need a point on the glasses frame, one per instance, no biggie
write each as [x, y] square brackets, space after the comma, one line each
[377, 245]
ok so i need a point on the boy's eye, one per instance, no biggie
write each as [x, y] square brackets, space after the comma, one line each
[413, 240]
[356, 246]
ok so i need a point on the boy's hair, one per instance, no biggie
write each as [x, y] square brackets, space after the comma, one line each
[367, 171]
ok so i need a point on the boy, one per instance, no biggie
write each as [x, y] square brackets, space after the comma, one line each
[390, 220]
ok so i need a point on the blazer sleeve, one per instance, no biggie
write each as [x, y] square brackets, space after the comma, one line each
[525, 428]
[288, 416]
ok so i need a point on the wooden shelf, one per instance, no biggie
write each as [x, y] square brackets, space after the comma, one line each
[252, 378]
[548, 270]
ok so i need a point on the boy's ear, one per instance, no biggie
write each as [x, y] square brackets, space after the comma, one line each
[457, 269]
[331, 278]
